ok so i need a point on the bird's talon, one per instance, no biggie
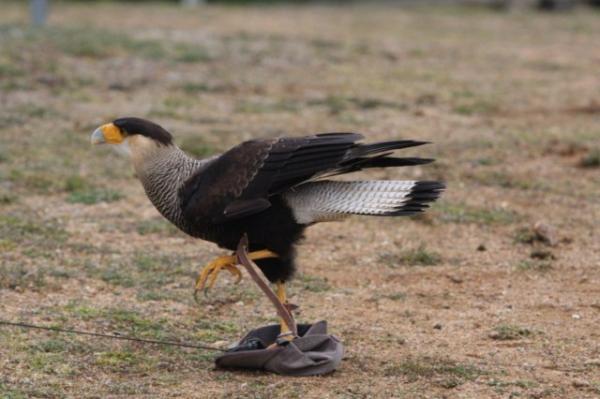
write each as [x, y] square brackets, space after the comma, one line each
[208, 276]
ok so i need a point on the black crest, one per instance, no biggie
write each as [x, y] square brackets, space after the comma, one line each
[144, 127]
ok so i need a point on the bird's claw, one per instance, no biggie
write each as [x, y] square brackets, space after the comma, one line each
[208, 276]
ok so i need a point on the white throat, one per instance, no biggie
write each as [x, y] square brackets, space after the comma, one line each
[123, 148]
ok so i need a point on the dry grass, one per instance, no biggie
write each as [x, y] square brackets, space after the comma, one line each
[461, 302]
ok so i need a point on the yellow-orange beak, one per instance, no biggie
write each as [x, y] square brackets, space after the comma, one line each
[107, 134]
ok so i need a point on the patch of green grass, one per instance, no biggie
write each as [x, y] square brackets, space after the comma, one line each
[173, 107]
[30, 111]
[10, 70]
[501, 385]
[124, 360]
[95, 43]
[130, 388]
[471, 103]
[83, 312]
[7, 197]
[145, 273]
[7, 392]
[534, 265]
[57, 345]
[4, 157]
[90, 196]
[7, 245]
[158, 295]
[25, 113]
[507, 332]
[505, 180]
[162, 112]
[148, 263]
[59, 272]
[211, 331]
[17, 275]
[49, 363]
[525, 235]
[443, 372]
[261, 107]
[454, 213]
[486, 161]
[313, 283]
[29, 230]
[40, 182]
[325, 44]
[591, 160]
[191, 54]
[222, 326]
[476, 107]
[396, 296]
[75, 183]
[337, 104]
[198, 147]
[115, 275]
[178, 101]
[201, 87]
[132, 321]
[156, 226]
[529, 235]
[420, 257]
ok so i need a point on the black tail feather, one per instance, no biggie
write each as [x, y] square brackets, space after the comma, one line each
[420, 196]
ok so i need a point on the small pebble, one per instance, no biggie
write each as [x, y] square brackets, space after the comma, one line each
[576, 316]
[437, 326]
[546, 233]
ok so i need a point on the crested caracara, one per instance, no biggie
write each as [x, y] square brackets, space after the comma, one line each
[269, 189]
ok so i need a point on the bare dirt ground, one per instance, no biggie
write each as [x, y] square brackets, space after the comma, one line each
[468, 301]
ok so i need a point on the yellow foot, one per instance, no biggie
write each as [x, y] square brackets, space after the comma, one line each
[208, 276]
[211, 271]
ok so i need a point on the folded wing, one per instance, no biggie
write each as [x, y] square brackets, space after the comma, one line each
[240, 182]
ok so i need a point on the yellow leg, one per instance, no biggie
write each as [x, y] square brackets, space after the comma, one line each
[210, 272]
[283, 299]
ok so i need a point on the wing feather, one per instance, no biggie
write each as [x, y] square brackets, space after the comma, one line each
[240, 181]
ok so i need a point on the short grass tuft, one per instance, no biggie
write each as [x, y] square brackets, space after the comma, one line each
[156, 226]
[421, 256]
[313, 283]
[444, 372]
[535, 265]
[455, 213]
[591, 160]
[92, 196]
[508, 332]
[198, 147]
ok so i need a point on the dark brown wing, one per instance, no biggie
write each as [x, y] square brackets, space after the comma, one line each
[240, 182]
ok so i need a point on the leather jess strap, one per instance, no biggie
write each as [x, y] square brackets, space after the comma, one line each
[244, 260]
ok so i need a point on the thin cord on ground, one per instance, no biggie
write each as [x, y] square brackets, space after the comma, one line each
[125, 338]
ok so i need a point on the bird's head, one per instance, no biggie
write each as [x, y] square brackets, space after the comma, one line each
[131, 136]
